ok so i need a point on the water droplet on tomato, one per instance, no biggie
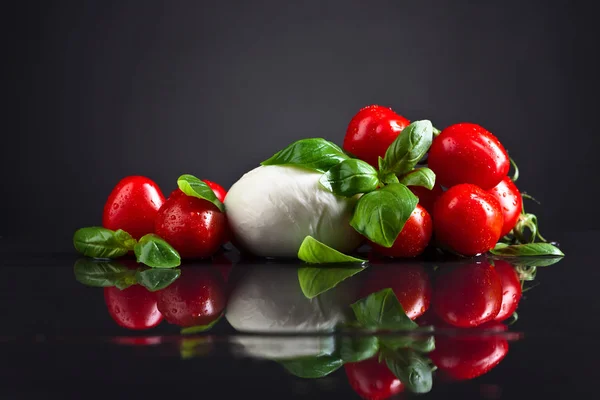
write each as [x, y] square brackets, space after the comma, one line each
[116, 206]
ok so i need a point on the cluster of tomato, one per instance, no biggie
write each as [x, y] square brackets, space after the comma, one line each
[473, 203]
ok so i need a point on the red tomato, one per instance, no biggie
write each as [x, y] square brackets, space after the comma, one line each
[467, 219]
[468, 356]
[372, 380]
[410, 284]
[427, 198]
[511, 289]
[219, 191]
[132, 308]
[196, 228]
[371, 131]
[132, 206]
[467, 295]
[467, 153]
[197, 297]
[510, 201]
[414, 237]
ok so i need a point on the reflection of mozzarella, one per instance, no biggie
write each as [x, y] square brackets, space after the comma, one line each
[269, 299]
[271, 209]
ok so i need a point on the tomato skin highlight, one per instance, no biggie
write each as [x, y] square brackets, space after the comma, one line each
[197, 297]
[133, 308]
[414, 237]
[511, 203]
[511, 289]
[467, 295]
[427, 198]
[132, 206]
[371, 131]
[468, 153]
[372, 380]
[410, 284]
[467, 219]
[218, 190]
[196, 228]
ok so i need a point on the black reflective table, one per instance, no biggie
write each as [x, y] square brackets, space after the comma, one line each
[59, 341]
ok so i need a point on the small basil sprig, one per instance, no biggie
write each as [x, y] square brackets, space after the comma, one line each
[316, 154]
[98, 242]
[408, 148]
[528, 249]
[192, 186]
[155, 252]
[380, 215]
[350, 177]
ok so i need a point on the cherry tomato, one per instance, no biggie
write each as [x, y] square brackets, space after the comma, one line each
[219, 191]
[371, 131]
[414, 237]
[467, 219]
[467, 356]
[467, 295]
[133, 308]
[510, 201]
[132, 206]
[468, 153]
[197, 297]
[410, 284]
[511, 289]
[196, 228]
[427, 198]
[372, 380]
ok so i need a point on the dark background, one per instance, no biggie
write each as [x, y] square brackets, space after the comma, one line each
[97, 90]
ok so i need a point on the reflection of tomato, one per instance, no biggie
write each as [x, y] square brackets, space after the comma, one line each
[410, 284]
[467, 356]
[467, 295]
[511, 289]
[132, 308]
[372, 380]
[196, 298]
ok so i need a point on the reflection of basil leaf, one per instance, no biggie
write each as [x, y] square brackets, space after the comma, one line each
[317, 280]
[157, 279]
[380, 215]
[312, 367]
[350, 177]
[382, 310]
[419, 177]
[314, 252]
[192, 186]
[412, 369]
[100, 242]
[534, 261]
[424, 344]
[155, 252]
[408, 148]
[529, 249]
[315, 154]
[103, 274]
[355, 349]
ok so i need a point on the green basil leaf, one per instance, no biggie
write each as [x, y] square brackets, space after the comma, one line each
[388, 178]
[381, 215]
[529, 249]
[382, 310]
[312, 367]
[409, 147]
[155, 252]
[315, 154]
[317, 280]
[157, 278]
[424, 344]
[419, 177]
[98, 242]
[200, 328]
[350, 177]
[413, 369]
[103, 274]
[192, 186]
[314, 252]
[355, 349]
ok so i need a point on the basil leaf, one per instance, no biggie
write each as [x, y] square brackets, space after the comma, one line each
[314, 252]
[423, 344]
[315, 154]
[153, 251]
[529, 249]
[413, 370]
[316, 280]
[409, 147]
[419, 177]
[388, 178]
[157, 279]
[381, 215]
[98, 242]
[355, 349]
[382, 310]
[312, 367]
[350, 177]
[200, 328]
[192, 186]
[103, 274]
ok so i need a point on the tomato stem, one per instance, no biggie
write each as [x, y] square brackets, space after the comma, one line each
[516, 173]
